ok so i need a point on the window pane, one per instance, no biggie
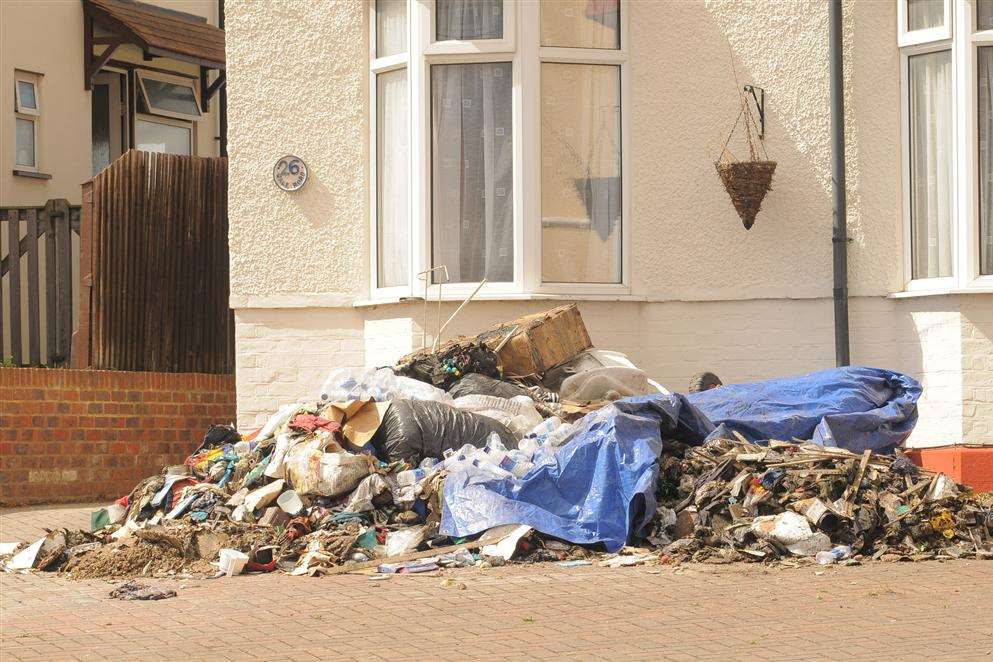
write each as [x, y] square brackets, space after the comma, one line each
[25, 91]
[391, 27]
[472, 171]
[392, 200]
[985, 160]
[580, 173]
[984, 14]
[170, 97]
[469, 19]
[580, 24]
[923, 14]
[164, 138]
[931, 164]
[25, 143]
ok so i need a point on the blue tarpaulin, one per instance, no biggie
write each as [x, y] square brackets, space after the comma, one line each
[600, 485]
[855, 408]
[597, 488]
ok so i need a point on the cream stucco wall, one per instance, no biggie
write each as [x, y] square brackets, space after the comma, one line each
[707, 294]
[46, 37]
[298, 83]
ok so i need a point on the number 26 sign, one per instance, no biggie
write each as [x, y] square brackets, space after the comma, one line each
[290, 173]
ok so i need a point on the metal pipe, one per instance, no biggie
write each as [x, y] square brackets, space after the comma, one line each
[839, 231]
[434, 346]
[222, 95]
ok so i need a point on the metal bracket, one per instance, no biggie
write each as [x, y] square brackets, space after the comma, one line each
[758, 96]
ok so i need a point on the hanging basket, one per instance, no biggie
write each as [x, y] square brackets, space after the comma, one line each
[746, 182]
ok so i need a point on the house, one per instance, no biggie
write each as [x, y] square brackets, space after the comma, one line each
[81, 83]
[565, 150]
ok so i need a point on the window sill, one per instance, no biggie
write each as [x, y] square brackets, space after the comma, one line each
[508, 296]
[30, 174]
[940, 291]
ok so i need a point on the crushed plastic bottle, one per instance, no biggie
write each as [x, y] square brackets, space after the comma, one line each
[838, 553]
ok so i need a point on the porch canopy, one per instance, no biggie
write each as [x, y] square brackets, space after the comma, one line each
[158, 32]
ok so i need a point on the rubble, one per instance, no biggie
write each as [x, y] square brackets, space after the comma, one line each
[793, 498]
[367, 478]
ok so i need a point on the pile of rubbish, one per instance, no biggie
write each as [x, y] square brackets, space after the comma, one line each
[527, 443]
[734, 500]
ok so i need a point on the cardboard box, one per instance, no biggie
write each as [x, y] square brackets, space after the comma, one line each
[539, 342]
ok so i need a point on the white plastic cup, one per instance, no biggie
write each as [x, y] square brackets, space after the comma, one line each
[232, 561]
[290, 502]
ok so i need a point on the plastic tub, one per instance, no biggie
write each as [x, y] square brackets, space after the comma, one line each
[290, 502]
[232, 561]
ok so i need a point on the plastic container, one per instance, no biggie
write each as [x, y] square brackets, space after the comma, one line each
[545, 428]
[836, 554]
[290, 502]
[232, 561]
[410, 477]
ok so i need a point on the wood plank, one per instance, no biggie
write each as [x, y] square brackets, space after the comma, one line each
[51, 326]
[34, 312]
[63, 258]
[14, 277]
[81, 337]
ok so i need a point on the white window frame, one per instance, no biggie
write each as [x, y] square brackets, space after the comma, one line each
[907, 37]
[21, 109]
[963, 42]
[143, 74]
[966, 49]
[32, 115]
[168, 121]
[520, 46]
[382, 65]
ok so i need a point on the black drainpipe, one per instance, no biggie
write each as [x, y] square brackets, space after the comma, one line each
[839, 234]
[222, 94]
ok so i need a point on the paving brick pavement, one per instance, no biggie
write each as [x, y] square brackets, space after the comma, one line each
[880, 611]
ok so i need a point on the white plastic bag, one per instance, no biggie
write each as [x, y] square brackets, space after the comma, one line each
[517, 413]
[379, 384]
[312, 471]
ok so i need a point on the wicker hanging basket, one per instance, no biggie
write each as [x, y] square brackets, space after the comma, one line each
[746, 182]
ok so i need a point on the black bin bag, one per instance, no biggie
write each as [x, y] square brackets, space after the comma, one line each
[415, 429]
[477, 384]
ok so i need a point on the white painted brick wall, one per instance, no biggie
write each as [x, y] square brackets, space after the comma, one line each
[284, 355]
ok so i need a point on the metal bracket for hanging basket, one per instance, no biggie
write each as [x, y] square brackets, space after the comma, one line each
[758, 97]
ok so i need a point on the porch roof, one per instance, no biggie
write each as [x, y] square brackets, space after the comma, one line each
[159, 31]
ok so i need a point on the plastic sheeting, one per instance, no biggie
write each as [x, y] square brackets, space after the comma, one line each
[855, 408]
[597, 488]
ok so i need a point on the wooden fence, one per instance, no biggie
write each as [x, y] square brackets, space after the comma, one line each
[154, 266]
[39, 283]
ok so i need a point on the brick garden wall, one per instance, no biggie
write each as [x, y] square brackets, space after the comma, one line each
[78, 435]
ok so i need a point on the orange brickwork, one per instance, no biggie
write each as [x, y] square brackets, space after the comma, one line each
[970, 465]
[74, 435]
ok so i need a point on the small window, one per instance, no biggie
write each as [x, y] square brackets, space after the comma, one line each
[468, 20]
[170, 96]
[26, 94]
[923, 21]
[26, 142]
[27, 116]
[163, 137]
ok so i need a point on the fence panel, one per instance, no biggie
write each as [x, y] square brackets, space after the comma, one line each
[154, 269]
[37, 301]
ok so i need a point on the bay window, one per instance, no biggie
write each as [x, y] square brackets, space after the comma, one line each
[498, 146]
[947, 73]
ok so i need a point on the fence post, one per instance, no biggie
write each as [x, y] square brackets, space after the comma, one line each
[81, 337]
[14, 270]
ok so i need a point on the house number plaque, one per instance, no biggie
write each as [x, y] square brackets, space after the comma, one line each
[290, 173]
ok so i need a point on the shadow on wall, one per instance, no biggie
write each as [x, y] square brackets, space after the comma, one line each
[784, 50]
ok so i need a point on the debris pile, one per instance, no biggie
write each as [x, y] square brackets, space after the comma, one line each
[526, 443]
[734, 500]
